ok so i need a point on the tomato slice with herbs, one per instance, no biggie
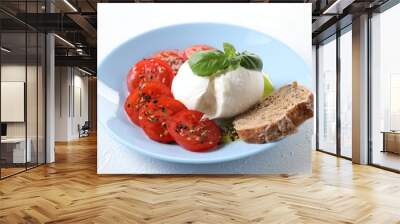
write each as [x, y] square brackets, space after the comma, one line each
[147, 92]
[172, 57]
[192, 132]
[195, 48]
[148, 70]
[153, 117]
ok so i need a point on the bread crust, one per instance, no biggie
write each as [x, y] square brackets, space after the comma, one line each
[285, 125]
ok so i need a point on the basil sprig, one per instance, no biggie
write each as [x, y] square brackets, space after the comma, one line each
[206, 63]
[210, 62]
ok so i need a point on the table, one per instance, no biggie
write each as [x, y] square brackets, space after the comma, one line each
[391, 141]
[17, 150]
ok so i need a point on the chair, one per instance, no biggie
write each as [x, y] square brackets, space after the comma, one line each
[84, 130]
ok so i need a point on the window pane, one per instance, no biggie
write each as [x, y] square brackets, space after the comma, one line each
[41, 98]
[31, 88]
[386, 88]
[31, 97]
[346, 94]
[14, 153]
[327, 96]
[23, 89]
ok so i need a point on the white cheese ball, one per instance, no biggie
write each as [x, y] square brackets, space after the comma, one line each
[222, 96]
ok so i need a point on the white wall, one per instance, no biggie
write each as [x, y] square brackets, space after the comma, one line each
[62, 82]
[71, 94]
[16, 72]
[80, 110]
[34, 125]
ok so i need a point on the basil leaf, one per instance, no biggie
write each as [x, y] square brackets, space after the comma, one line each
[229, 50]
[207, 63]
[251, 61]
[234, 62]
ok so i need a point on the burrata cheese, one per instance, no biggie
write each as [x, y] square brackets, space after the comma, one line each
[220, 96]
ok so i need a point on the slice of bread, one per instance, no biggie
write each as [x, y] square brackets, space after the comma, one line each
[277, 116]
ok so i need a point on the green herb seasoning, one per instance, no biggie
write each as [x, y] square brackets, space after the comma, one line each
[228, 132]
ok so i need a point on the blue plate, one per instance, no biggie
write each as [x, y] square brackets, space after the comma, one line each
[281, 63]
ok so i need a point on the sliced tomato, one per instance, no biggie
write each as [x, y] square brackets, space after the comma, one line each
[173, 58]
[147, 92]
[147, 70]
[192, 132]
[195, 48]
[153, 117]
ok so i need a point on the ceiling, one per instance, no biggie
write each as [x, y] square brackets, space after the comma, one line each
[75, 22]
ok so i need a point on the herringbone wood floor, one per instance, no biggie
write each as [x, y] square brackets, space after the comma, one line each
[70, 191]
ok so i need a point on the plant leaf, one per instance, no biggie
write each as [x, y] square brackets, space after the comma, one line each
[234, 62]
[207, 63]
[229, 49]
[251, 61]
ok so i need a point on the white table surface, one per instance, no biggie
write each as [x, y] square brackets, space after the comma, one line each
[12, 140]
[19, 150]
